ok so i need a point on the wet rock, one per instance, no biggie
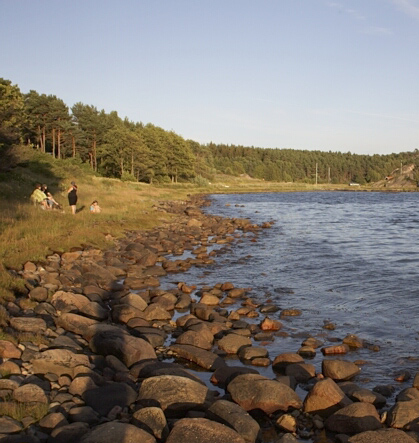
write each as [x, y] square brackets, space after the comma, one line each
[269, 324]
[307, 352]
[231, 343]
[353, 419]
[237, 418]
[339, 370]
[203, 358]
[202, 430]
[253, 391]
[385, 390]
[353, 341]
[250, 353]
[283, 360]
[199, 339]
[117, 432]
[223, 375]
[337, 349]
[302, 372]
[174, 395]
[325, 398]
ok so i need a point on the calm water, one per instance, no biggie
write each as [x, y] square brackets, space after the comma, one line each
[346, 257]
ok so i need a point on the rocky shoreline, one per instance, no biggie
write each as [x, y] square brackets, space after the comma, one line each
[107, 354]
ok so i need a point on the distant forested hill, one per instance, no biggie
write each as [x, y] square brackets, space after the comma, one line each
[115, 147]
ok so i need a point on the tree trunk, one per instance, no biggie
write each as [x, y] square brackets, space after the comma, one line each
[59, 143]
[73, 145]
[53, 142]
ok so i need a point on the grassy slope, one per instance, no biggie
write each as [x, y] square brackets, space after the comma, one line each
[30, 234]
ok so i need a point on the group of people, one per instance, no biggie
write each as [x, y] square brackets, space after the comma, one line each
[42, 197]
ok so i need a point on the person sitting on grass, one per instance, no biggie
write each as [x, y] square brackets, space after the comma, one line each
[52, 204]
[38, 197]
[94, 207]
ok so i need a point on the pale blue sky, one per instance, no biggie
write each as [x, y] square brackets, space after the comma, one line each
[302, 74]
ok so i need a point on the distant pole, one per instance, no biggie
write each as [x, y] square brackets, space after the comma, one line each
[328, 175]
[316, 174]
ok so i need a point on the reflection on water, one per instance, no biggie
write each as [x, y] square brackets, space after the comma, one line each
[348, 257]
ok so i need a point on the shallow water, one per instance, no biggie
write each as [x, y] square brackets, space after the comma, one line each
[346, 257]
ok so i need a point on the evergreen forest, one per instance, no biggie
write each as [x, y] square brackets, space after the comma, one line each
[120, 148]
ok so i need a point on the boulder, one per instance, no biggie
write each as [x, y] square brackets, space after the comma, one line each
[253, 391]
[76, 323]
[28, 324]
[353, 419]
[114, 431]
[30, 393]
[59, 362]
[325, 398]
[302, 372]
[205, 359]
[339, 370]
[403, 414]
[104, 398]
[382, 436]
[112, 340]
[202, 430]
[152, 420]
[9, 350]
[283, 360]
[232, 415]
[173, 394]
[223, 375]
[198, 339]
[232, 343]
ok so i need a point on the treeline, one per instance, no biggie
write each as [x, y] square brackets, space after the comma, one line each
[116, 147]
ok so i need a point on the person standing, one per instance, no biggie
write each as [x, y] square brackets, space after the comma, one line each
[72, 197]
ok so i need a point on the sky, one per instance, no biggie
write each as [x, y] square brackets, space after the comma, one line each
[290, 74]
